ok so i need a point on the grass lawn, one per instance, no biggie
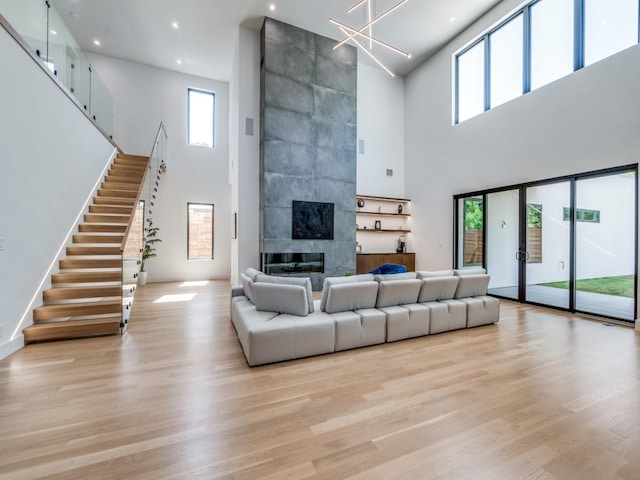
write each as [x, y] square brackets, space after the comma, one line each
[617, 286]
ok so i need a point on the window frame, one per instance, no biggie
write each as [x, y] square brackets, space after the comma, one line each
[213, 117]
[213, 218]
[578, 52]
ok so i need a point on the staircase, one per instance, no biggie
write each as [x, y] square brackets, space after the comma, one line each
[86, 294]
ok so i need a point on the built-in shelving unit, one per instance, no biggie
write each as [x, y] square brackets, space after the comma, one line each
[389, 219]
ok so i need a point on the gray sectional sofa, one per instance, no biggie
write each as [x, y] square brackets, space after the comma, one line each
[277, 319]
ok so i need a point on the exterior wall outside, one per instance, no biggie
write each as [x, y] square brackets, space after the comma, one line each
[143, 97]
[52, 157]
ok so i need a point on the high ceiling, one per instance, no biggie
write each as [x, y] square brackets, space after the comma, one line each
[204, 42]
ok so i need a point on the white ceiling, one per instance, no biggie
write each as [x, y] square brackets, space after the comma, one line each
[141, 31]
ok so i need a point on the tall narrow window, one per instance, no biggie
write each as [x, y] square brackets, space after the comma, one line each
[199, 231]
[506, 62]
[201, 114]
[610, 26]
[552, 23]
[471, 82]
[473, 232]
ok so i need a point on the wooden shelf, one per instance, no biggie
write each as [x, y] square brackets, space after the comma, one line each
[383, 199]
[383, 214]
[382, 230]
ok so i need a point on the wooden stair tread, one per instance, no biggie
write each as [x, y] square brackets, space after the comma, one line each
[98, 227]
[135, 158]
[119, 209]
[133, 179]
[48, 312]
[71, 293]
[105, 218]
[120, 186]
[92, 250]
[86, 277]
[92, 263]
[106, 200]
[89, 238]
[72, 329]
[117, 193]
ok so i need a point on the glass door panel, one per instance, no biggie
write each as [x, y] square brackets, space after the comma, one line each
[470, 232]
[546, 249]
[605, 245]
[502, 242]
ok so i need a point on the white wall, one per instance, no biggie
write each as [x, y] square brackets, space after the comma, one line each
[586, 121]
[143, 97]
[51, 158]
[381, 128]
[245, 157]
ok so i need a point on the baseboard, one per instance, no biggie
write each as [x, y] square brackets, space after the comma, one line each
[11, 346]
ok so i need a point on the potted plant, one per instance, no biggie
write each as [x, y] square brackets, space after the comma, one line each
[148, 251]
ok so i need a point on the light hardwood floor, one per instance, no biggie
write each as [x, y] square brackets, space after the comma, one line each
[540, 396]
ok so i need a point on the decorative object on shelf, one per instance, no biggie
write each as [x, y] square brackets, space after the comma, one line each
[378, 225]
[400, 208]
[357, 226]
[360, 203]
[358, 247]
[400, 245]
[379, 209]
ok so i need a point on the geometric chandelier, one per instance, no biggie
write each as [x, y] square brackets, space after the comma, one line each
[364, 34]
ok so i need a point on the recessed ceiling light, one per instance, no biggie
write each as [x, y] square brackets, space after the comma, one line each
[75, 15]
[96, 42]
[272, 7]
[175, 25]
[453, 19]
[179, 62]
[53, 32]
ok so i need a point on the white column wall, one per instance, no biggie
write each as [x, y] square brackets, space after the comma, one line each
[143, 97]
[51, 158]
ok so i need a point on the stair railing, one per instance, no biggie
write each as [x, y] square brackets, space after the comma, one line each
[132, 246]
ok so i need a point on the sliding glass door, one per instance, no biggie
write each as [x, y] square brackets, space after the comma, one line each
[547, 244]
[503, 212]
[567, 243]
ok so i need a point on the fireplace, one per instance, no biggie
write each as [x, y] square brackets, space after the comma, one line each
[292, 263]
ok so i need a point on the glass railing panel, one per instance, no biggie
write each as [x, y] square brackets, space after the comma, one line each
[29, 19]
[101, 104]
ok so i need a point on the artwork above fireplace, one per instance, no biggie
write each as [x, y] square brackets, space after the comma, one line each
[312, 221]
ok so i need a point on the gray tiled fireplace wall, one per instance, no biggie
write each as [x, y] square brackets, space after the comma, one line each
[308, 141]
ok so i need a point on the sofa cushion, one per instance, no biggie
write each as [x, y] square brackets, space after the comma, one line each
[438, 288]
[366, 277]
[472, 286]
[252, 273]
[435, 273]
[351, 296]
[395, 276]
[281, 298]
[300, 281]
[461, 272]
[247, 286]
[397, 292]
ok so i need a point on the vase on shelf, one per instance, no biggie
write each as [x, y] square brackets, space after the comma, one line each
[400, 208]
[378, 225]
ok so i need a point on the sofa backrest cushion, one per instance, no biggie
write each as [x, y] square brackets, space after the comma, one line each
[436, 273]
[281, 298]
[461, 272]
[472, 286]
[247, 286]
[343, 297]
[397, 292]
[299, 281]
[328, 281]
[438, 288]
[394, 276]
[252, 273]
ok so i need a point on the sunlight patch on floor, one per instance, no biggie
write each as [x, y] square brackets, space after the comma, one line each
[180, 297]
[200, 283]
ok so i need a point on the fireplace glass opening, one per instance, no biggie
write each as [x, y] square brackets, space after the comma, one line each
[292, 263]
